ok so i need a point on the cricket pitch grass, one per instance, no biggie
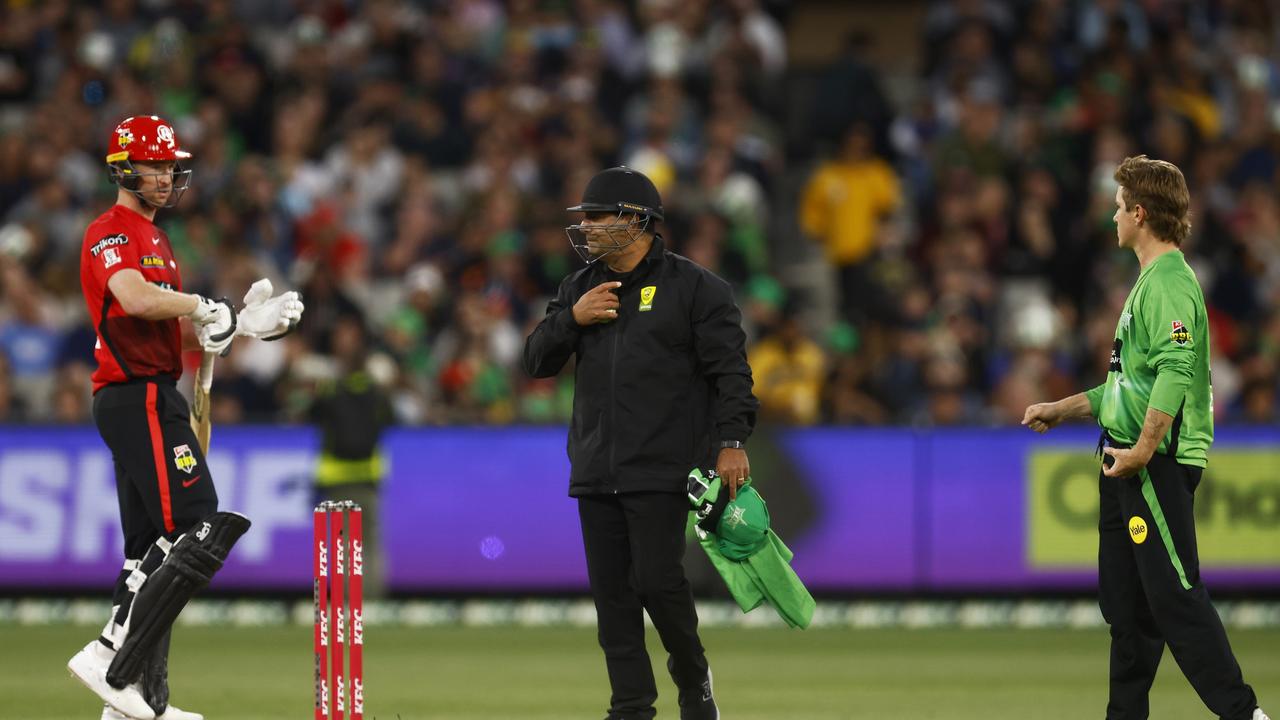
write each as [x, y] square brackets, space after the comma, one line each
[512, 673]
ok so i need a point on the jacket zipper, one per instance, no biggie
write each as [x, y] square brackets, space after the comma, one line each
[613, 408]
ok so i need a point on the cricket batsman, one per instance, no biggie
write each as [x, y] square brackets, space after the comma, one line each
[175, 538]
[1156, 413]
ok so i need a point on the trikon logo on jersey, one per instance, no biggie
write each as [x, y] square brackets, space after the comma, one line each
[108, 241]
[1115, 365]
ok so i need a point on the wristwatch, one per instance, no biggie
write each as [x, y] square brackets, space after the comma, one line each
[735, 444]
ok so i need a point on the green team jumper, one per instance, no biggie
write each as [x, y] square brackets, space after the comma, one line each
[1161, 360]
[1148, 571]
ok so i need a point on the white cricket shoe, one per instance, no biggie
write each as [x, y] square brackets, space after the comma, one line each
[170, 713]
[89, 666]
[1259, 715]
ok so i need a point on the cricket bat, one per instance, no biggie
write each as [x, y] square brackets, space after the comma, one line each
[201, 422]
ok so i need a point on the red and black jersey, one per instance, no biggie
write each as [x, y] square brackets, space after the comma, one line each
[129, 347]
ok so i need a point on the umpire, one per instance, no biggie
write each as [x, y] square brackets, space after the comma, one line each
[1156, 413]
[661, 386]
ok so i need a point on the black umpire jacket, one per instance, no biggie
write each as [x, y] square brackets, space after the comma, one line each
[657, 389]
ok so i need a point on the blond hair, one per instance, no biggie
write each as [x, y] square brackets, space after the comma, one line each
[1159, 187]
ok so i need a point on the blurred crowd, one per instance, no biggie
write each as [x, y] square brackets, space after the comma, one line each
[406, 166]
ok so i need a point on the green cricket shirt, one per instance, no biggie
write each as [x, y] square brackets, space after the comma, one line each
[1160, 360]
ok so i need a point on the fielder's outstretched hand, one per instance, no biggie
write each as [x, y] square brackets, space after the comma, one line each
[1041, 417]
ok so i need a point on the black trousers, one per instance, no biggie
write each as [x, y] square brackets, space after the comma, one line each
[1151, 594]
[163, 484]
[635, 546]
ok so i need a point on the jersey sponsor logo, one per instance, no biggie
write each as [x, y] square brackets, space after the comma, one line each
[1137, 530]
[111, 256]
[183, 459]
[1114, 365]
[1180, 334]
[1125, 317]
[646, 297]
[192, 481]
[163, 284]
[155, 240]
[153, 261]
[108, 242]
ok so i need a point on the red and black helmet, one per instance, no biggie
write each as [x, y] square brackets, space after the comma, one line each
[146, 138]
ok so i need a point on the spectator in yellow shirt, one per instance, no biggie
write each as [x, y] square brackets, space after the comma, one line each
[789, 370]
[842, 207]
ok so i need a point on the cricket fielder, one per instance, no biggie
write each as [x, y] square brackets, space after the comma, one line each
[1156, 413]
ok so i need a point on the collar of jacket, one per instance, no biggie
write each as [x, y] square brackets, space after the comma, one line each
[654, 255]
[655, 250]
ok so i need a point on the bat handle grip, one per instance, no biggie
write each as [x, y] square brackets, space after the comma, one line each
[206, 371]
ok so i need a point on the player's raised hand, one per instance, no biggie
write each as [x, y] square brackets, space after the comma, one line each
[597, 305]
[1042, 417]
[266, 317]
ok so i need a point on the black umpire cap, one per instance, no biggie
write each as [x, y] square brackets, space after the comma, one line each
[619, 190]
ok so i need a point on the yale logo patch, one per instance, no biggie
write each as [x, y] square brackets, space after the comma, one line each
[183, 458]
[1180, 334]
[1137, 530]
[152, 261]
[646, 297]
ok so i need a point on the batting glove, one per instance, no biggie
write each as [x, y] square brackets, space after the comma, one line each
[269, 318]
[215, 324]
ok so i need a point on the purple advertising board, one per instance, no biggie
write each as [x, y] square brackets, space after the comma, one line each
[486, 510]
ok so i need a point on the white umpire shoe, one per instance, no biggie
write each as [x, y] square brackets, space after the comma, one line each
[170, 713]
[1259, 715]
[89, 666]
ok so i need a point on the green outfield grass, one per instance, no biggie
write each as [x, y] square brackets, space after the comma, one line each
[511, 674]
